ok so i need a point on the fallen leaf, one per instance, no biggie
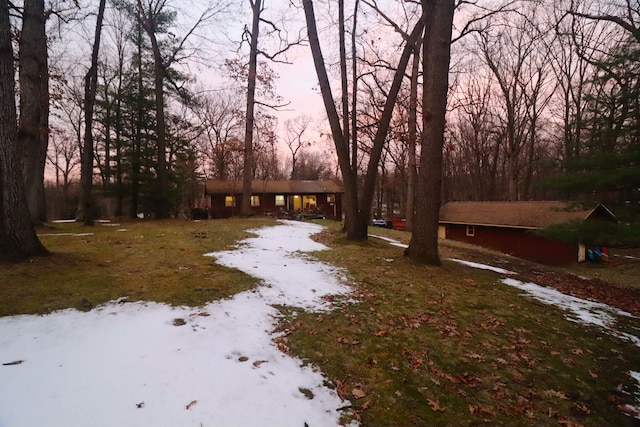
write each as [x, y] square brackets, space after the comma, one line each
[551, 413]
[593, 374]
[568, 423]
[554, 393]
[259, 362]
[358, 393]
[480, 410]
[139, 405]
[475, 356]
[626, 409]
[435, 405]
[340, 386]
[15, 362]
[190, 404]
[582, 407]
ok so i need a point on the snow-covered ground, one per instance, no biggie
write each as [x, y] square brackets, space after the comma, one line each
[149, 364]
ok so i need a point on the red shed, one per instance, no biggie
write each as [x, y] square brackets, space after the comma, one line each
[506, 227]
[277, 198]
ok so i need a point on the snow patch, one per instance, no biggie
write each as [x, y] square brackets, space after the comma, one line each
[149, 364]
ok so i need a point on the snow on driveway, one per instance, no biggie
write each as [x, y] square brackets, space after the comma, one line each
[149, 364]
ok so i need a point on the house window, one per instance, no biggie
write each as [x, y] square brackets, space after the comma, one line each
[255, 201]
[229, 201]
[331, 198]
[471, 231]
[309, 202]
[279, 200]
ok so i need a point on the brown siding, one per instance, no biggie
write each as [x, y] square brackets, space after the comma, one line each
[517, 242]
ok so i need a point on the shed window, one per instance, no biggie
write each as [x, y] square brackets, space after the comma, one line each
[229, 201]
[331, 198]
[279, 200]
[255, 201]
[471, 231]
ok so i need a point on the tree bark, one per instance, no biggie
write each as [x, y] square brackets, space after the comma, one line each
[18, 239]
[85, 211]
[348, 175]
[247, 176]
[357, 209]
[423, 246]
[412, 175]
[162, 202]
[33, 130]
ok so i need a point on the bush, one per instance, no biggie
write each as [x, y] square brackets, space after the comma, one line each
[594, 233]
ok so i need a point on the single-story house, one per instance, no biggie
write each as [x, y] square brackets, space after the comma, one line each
[297, 199]
[506, 227]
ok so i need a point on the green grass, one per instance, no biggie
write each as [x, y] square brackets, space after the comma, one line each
[453, 346]
[150, 260]
[413, 345]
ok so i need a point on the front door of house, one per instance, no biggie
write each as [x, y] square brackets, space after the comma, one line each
[294, 202]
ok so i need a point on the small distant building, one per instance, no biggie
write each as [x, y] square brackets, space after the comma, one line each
[297, 199]
[506, 227]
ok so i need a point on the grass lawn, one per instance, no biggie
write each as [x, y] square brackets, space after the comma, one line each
[414, 345]
[143, 260]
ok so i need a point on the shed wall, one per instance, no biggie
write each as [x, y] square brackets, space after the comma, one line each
[517, 242]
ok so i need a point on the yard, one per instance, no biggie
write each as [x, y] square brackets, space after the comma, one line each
[407, 345]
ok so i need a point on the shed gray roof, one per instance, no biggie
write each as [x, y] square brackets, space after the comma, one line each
[518, 214]
[273, 187]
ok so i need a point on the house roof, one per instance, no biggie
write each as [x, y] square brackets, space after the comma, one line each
[519, 214]
[273, 187]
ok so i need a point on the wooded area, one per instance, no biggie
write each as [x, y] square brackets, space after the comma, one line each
[541, 103]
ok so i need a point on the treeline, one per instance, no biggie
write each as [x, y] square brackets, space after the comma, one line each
[543, 104]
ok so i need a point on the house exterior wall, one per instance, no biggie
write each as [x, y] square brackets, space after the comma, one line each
[517, 242]
[331, 210]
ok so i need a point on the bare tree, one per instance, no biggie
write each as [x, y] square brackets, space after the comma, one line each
[64, 156]
[625, 14]
[436, 53]
[256, 8]
[253, 36]
[18, 239]
[358, 209]
[220, 142]
[85, 208]
[34, 105]
[295, 130]
[514, 52]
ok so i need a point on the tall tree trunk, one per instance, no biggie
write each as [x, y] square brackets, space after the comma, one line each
[85, 211]
[247, 177]
[343, 74]
[354, 89]
[383, 126]
[412, 175]
[18, 239]
[348, 175]
[162, 202]
[33, 129]
[357, 210]
[423, 246]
